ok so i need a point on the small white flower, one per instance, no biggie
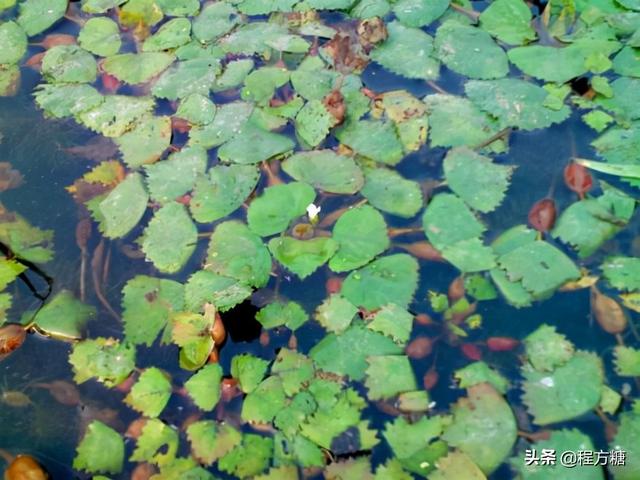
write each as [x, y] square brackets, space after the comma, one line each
[312, 212]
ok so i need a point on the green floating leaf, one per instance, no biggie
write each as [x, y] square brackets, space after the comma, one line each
[393, 321]
[313, 123]
[589, 223]
[373, 139]
[388, 191]
[622, 273]
[627, 171]
[100, 36]
[560, 441]
[407, 52]
[146, 142]
[568, 392]
[222, 192]
[509, 21]
[273, 211]
[170, 238]
[476, 179]
[302, 257]
[456, 121]
[335, 313]
[624, 99]
[265, 401]
[69, 64]
[204, 387]
[515, 103]
[249, 458]
[173, 34]
[157, 444]
[389, 375]
[361, 234]
[100, 6]
[37, 15]
[169, 179]
[207, 287]
[117, 114]
[105, 359]
[419, 13]
[470, 51]
[457, 465]
[134, 68]
[391, 279]
[151, 392]
[413, 443]
[236, 252]
[539, 266]
[346, 354]
[229, 119]
[25, 241]
[470, 255]
[627, 361]
[295, 370]
[140, 12]
[197, 109]
[626, 62]
[483, 427]
[626, 441]
[253, 145]
[211, 441]
[179, 8]
[214, 20]
[277, 314]
[101, 450]
[192, 332]
[548, 349]
[447, 221]
[124, 206]
[234, 74]
[147, 304]
[13, 41]
[10, 269]
[479, 372]
[325, 170]
[63, 317]
[248, 370]
[186, 78]
[65, 100]
[559, 65]
[261, 84]
[9, 80]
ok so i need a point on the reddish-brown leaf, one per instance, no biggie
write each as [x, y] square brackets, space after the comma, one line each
[578, 179]
[9, 177]
[501, 344]
[11, 338]
[419, 347]
[25, 467]
[423, 250]
[110, 83]
[333, 285]
[430, 379]
[334, 103]
[542, 215]
[471, 351]
[456, 289]
[423, 319]
[55, 39]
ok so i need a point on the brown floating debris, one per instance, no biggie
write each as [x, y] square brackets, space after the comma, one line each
[607, 312]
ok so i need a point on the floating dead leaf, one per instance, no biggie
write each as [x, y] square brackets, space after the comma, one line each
[607, 312]
[423, 250]
[334, 103]
[11, 338]
[55, 39]
[110, 84]
[419, 347]
[333, 285]
[9, 177]
[347, 53]
[64, 392]
[35, 61]
[471, 351]
[585, 281]
[456, 289]
[371, 32]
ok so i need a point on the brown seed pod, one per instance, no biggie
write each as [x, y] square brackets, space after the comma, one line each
[501, 344]
[578, 178]
[218, 332]
[419, 347]
[542, 215]
[607, 312]
[25, 467]
[333, 285]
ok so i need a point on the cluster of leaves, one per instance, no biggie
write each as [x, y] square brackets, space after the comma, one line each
[144, 72]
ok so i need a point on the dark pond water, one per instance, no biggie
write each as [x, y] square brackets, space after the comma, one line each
[50, 431]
